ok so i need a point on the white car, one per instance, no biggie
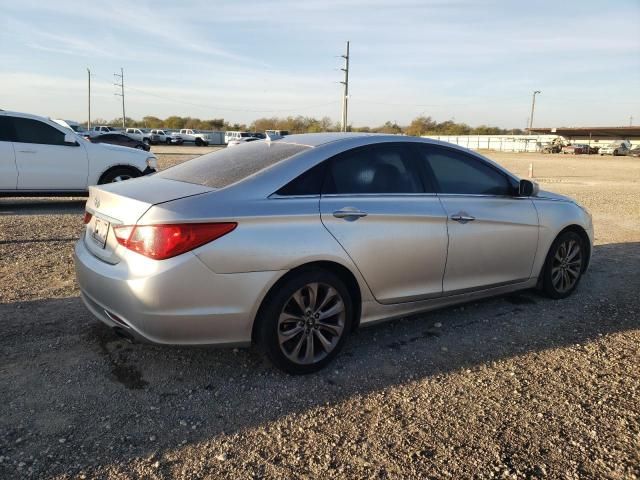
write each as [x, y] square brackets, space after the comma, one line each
[241, 140]
[40, 157]
[230, 136]
[619, 147]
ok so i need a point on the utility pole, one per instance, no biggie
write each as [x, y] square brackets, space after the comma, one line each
[631, 120]
[533, 106]
[345, 96]
[121, 94]
[89, 99]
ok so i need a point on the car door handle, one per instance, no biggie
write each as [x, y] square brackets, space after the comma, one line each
[26, 151]
[462, 217]
[349, 213]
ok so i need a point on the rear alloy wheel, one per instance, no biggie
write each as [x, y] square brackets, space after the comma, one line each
[564, 265]
[306, 322]
[119, 175]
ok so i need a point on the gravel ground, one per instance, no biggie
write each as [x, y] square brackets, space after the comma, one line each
[513, 387]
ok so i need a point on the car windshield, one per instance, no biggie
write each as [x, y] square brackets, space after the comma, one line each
[224, 167]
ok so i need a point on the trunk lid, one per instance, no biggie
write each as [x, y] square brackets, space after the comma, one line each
[124, 203]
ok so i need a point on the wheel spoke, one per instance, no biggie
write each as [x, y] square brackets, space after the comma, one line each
[572, 254]
[295, 353]
[326, 344]
[287, 317]
[329, 295]
[329, 327]
[308, 354]
[573, 272]
[312, 290]
[287, 335]
[299, 300]
[569, 249]
[333, 311]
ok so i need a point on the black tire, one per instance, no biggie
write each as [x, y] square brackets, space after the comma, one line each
[140, 147]
[199, 142]
[168, 141]
[562, 270]
[119, 174]
[269, 324]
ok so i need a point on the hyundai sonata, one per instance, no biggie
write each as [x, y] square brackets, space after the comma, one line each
[291, 243]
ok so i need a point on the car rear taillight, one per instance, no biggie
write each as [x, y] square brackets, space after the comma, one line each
[165, 241]
[87, 217]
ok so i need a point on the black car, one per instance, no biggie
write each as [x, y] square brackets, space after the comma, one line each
[120, 139]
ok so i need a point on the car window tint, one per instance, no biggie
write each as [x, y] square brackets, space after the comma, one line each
[383, 168]
[6, 129]
[28, 130]
[456, 172]
[309, 183]
[227, 166]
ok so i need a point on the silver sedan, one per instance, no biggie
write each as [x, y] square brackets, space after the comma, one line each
[292, 243]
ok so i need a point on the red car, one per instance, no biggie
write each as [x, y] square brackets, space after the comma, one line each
[576, 149]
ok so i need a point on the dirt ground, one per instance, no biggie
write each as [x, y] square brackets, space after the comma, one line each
[512, 387]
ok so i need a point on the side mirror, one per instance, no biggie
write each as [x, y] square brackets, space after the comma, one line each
[527, 188]
[70, 140]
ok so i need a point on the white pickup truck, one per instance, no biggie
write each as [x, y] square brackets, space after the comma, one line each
[164, 136]
[138, 134]
[102, 129]
[41, 157]
[199, 138]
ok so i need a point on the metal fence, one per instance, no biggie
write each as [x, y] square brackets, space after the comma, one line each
[501, 143]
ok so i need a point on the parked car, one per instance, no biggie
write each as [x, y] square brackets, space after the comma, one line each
[120, 139]
[101, 129]
[241, 140]
[188, 135]
[73, 126]
[634, 152]
[138, 134]
[40, 157]
[277, 133]
[576, 149]
[164, 136]
[619, 147]
[234, 135]
[293, 243]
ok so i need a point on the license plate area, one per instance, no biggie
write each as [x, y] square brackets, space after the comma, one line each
[100, 231]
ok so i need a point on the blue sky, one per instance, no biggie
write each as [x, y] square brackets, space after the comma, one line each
[472, 61]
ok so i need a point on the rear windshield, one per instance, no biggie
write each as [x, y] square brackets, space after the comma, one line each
[224, 167]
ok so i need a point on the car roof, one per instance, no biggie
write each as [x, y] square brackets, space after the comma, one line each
[317, 139]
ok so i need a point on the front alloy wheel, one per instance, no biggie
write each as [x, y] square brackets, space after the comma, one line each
[305, 321]
[564, 265]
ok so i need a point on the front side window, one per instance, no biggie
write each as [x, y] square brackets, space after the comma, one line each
[27, 130]
[458, 173]
[381, 168]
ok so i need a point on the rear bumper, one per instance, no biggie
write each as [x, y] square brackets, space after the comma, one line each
[176, 301]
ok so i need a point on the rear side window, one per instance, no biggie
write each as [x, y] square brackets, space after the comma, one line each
[380, 168]
[6, 129]
[27, 130]
[456, 172]
[224, 167]
[309, 183]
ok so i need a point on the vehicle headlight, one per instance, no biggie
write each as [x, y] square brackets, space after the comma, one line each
[152, 162]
